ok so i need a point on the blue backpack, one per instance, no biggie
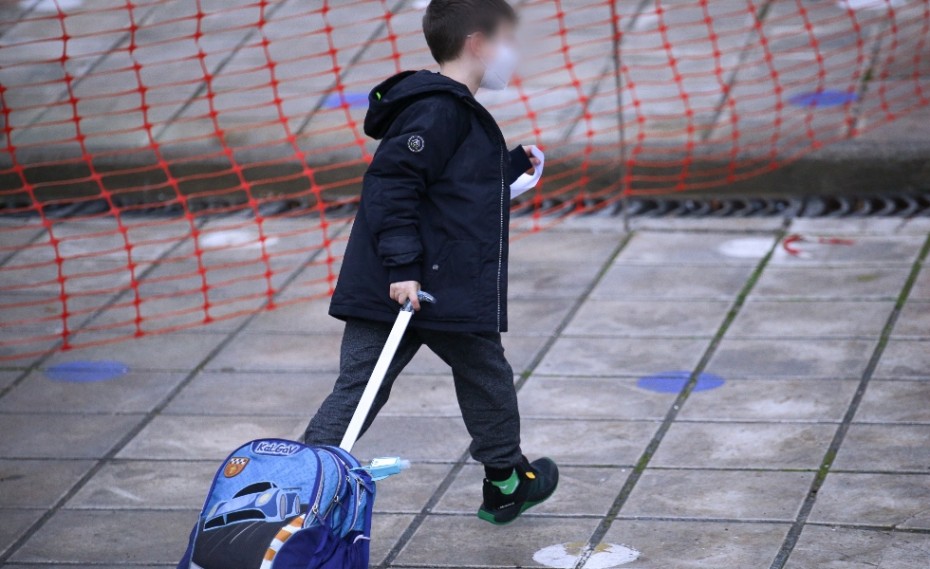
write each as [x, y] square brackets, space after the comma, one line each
[279, 504]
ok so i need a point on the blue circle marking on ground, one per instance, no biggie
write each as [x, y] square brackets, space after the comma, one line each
[674, 381]
[351, 100]
[86, 371]
[827, 98]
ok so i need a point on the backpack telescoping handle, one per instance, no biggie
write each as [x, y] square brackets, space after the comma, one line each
[381, 368]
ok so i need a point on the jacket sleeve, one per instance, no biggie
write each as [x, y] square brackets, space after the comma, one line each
[519, 163]
[422, 140]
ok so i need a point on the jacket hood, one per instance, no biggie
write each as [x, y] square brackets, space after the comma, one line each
[391, 97]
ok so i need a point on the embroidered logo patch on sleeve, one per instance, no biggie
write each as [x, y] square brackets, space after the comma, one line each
[415, 143]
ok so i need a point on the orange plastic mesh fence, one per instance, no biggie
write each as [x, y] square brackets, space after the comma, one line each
[170, 163]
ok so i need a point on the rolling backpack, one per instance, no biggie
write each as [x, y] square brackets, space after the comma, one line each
[280, 504]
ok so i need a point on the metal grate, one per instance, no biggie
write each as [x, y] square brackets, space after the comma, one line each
[916, 204]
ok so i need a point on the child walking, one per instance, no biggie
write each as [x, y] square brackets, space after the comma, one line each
[434, 212]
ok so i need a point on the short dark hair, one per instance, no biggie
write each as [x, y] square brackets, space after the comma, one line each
[447, 23]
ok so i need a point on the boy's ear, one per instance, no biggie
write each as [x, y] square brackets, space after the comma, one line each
[475, 44]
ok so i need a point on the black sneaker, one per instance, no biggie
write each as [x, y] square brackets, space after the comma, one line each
[537, 482]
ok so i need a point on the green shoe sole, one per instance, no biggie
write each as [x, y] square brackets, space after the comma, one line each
[489, 517]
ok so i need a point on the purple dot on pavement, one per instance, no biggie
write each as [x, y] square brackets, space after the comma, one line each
[351, 100]
[86, 371]
[674, 381]
[827, 98]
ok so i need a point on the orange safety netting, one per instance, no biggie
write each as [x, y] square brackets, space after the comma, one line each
[170, 163]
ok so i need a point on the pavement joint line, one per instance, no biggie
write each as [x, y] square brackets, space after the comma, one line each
[345, 69]
[453, 473]
[791, 539]
[703, 230]
[89, 72]
[606, 72]
[27, 11]
[269, 12]
[37, 363]
[745, 50]
[677, 404]
[19, 248]
[871, 527]
[147, 418]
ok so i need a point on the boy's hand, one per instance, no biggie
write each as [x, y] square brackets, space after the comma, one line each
[405, 290]
[533, 160]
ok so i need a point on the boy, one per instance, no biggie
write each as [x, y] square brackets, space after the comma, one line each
[435, 211]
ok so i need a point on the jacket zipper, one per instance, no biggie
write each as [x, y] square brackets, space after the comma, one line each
[500, 251]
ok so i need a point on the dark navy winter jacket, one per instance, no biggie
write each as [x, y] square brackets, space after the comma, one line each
[434, 208]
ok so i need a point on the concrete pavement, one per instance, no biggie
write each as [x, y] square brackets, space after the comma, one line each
[716, 400]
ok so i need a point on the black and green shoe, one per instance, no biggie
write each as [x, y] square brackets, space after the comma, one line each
[537, 481]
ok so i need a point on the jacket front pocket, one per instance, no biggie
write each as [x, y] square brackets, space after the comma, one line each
[452, 277]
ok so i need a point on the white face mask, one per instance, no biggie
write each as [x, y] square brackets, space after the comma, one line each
[500, 68]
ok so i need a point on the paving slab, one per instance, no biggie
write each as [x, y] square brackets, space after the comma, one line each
[899, 500]
[185, 437]
[549, 281]
[895, 402]
[624, 282]
[861, 226]
[620, 356]
[414, 394]
[448, 540]
[695, 249]
[15, 524]
[833, 283]
[147, 484]
[530, 317]
[38, 483]
[253, 393]
[280, 352]
[591, 398]
[860, 250]
[148, 353]
[135, 537]
[771, 400]
[698, 544]
[905, 358]
[135, 392]
[8, 377]
[848, 548]
[519, 350]
[885, 448]
[386, 529]
[410, 492]
[307, 317]
[620, 443]
[53, 435]
[791, 358]
[711, 224]
[810, 318]
[744, 445]
[914, 321]
[582, 491]
[418, 439]
[921, 290]
[722, 494]
[659, 318]
[574, 247]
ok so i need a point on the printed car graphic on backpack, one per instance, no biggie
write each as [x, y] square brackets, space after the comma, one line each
[262, 501]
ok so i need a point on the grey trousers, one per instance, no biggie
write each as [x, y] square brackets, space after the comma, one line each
[483, 385]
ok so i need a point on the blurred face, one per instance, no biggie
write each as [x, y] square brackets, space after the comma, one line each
[497, 54]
